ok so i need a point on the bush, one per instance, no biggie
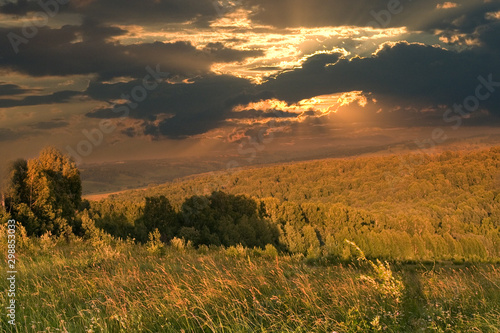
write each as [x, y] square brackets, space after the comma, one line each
[270, 251]
[180, 244]
[154, 245]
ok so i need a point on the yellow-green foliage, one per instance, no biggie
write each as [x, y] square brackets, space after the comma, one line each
[180, 244]
[3, 238]
[155, 245]
[44, 193]
[23, 242]
[100, 241]
[383, 280]
[47, 242]
[443, 207]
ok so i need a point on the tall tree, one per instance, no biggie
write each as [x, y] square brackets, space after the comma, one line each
[44, 193]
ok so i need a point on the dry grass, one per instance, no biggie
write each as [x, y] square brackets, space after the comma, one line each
[122, 287]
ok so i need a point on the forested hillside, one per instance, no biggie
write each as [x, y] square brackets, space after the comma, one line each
[412, 207]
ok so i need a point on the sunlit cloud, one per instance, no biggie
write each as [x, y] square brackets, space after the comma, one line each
[236, 19]
[447, 5]
[351, 97]
[358, 73]
[493, 16]
[284, 48]
[323, 104]
[461, 39]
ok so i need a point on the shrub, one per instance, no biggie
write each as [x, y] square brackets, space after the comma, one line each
[154, 245]
[180, 244]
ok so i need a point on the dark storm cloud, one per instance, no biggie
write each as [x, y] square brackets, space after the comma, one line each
[11, 89]
[416, 15]
[411, 76]
[249, 96]
[87, 49]
[319, 13]
[21, 7]
[489, 36]
[191, 108]
[57, 97]
[466, 21]
[144, 12]
[414, 73]
[469, 22]
[465, 18]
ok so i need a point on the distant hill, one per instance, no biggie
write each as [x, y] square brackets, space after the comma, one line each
[103, 179]
[410, 206]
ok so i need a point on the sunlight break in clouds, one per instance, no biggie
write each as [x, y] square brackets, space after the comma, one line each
[493, 16]
[447, 5]
[324, 104]
[317, 63]
[283, 48]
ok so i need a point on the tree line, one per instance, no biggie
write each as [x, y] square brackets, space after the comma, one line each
[440, 207]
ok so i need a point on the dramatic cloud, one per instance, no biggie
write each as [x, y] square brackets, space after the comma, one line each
[57, 97]
[489, 36]
[187, 108]
[86, 49]
[447, 5]
[126, 11]
[411, 76]
[416, 15]
[230, 69]
[416, 73]
[11, 89]
[464, 18]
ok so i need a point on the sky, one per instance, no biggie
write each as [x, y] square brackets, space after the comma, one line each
[111, 80]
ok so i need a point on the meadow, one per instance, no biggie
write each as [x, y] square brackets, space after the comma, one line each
[381, 244]
[102, 284]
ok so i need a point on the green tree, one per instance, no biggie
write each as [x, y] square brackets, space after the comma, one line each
[158, 214]
[44, 193]
[225, 219]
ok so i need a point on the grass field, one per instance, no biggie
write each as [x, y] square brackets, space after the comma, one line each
[103, 285]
